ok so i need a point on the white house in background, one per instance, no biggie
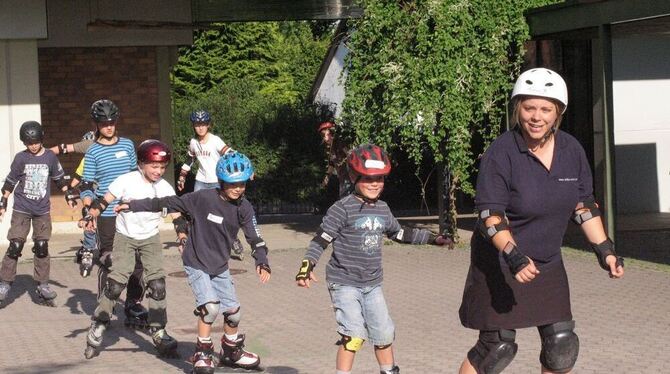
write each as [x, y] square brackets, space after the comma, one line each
[328, 87]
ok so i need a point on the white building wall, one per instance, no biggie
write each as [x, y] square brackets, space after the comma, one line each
[19, 102]
[641, 95]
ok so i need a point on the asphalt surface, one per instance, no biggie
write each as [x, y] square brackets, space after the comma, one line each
[623, 325]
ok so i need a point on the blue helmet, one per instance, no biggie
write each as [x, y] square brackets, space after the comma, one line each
[200, 116]
[234, 167]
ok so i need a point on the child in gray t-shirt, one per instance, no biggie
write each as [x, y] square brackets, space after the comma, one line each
[29, 179]
[355, 225]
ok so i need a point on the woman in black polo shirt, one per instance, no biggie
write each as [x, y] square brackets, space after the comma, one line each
[532, 180]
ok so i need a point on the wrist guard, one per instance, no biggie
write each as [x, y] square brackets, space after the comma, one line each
[603, 250]
[514, 258]
[180, 225]
[306, 268]
[259, 251]
[265, 267]
[100, 204]
[62, 147]
[71, 196]
[3, 202]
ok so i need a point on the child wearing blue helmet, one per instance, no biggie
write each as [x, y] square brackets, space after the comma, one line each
[216, 217]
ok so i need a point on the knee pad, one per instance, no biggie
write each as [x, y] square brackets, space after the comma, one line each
[113, 289]
[208, 312]
[351, 344]
[41, 248]
[157, 289]
[382, 346]
[493, 352]
[560, 346]
[232, 319]
[15, 249]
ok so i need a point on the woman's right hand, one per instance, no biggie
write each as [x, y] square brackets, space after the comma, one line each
[528, 273]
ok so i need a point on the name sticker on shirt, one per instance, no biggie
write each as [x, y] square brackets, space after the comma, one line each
[214, 218]
[120, 154]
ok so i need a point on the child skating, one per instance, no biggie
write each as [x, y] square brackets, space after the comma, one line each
[30, 176]
[137, 233]
[354, 225]
[216, 217]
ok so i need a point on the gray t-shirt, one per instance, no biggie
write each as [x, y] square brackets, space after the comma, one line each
[357, 230]
[31, 176]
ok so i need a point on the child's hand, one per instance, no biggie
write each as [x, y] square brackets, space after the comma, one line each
[263, 271]
[305, 274]
[181, 240]
[444, 240]
[121, 207]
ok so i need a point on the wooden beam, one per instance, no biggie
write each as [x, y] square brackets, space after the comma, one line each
[207, 11]
[571, 16]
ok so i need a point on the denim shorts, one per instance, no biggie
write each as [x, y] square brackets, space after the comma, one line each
[211, 288]
[204, 185]
[362, 312]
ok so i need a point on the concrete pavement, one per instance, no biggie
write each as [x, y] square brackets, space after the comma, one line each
[622, 325]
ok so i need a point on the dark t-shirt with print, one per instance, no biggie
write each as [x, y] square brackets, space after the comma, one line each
[31, 176]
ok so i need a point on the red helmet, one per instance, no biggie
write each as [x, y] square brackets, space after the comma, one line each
[153, 151]
[368, 160]
[325, 125]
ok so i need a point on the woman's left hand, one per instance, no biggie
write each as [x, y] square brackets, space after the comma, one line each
[616, 269]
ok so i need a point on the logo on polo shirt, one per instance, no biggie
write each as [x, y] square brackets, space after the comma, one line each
[568, 179]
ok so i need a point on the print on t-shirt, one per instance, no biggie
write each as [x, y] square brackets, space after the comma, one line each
[372, 234]
[37, 178]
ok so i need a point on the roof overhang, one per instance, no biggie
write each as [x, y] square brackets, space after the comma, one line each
[208, 11]
[580, 19]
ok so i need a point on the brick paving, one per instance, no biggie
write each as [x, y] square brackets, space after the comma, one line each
[622, 325]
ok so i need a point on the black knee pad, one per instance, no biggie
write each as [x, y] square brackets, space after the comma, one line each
[232, 319]
[15, 249]
[493, 352]
[41, 248]
[560, 346]
[113, 289]
[157, 289]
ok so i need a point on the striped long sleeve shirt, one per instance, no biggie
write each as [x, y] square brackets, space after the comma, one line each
[103, 163]
[357, 230]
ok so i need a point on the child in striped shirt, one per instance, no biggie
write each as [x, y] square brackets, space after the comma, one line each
[355, 225]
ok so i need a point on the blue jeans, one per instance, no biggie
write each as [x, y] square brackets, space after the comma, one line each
[362, 312]
[212, 288]
[204, 186]
[90, 241]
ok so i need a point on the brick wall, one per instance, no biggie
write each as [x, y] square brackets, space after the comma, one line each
[73, 78]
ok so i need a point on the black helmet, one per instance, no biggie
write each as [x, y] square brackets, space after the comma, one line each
[104, 111]
[31, 132]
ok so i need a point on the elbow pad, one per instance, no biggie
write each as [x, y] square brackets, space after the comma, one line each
[489, 232]
[585, 210]
[322, 238]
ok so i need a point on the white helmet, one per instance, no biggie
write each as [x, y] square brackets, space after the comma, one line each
[544, 83]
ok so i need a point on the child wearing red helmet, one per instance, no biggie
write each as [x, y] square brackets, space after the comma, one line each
[137, 232]
[354, 225]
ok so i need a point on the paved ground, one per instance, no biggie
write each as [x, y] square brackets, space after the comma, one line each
[622, 325]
